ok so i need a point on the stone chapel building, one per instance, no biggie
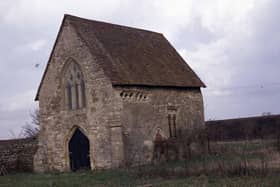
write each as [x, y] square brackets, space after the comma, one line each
[107, 92]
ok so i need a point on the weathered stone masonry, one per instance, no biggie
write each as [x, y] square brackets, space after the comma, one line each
[17, 154]
[142, 118]
[125, 106]
[58, 124]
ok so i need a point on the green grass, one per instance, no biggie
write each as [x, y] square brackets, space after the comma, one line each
[200, 170]
[85, 178]
[124, 178]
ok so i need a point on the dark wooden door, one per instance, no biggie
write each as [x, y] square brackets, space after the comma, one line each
[79, 151]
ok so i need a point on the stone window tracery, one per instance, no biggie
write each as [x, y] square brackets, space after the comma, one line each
[74, 85]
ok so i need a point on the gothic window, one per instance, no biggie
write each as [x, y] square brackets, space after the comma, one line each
[172, 121]
[74, 85]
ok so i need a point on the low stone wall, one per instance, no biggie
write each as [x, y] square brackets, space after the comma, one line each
[16, 155]
[258, 127]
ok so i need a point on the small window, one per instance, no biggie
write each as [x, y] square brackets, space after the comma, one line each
[172, 122]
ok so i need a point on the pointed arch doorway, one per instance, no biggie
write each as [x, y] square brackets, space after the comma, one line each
[79, 151]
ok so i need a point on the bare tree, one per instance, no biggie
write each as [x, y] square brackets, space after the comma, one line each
[31, 129]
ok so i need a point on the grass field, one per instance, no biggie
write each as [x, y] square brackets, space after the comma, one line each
[231, 164]
[122, 178]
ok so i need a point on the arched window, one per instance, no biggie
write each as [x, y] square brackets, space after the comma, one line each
[74, 85]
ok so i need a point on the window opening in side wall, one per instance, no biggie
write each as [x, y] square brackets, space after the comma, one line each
[172, 112]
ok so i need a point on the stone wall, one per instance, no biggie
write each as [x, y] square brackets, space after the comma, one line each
[17, 154]
[98, 121]
[146, 110]
[117, 121]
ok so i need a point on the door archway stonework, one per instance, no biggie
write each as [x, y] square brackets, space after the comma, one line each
[78, 150]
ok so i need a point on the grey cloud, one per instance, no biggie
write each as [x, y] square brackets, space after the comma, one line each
[193, 35]
[11, 124]
[246, 62]
[252, 63]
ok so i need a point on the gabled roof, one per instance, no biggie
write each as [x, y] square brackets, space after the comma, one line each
[134, 57]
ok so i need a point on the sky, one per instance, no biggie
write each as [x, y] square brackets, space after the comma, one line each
[233, 45]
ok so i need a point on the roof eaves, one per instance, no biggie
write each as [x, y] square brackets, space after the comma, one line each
[186, 64]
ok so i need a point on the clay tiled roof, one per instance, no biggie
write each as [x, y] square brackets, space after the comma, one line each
[138, 57]
[131, 56]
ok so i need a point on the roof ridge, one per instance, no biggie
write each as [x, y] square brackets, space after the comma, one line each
[120, 43]
[108, 23]
[100, 46]
[131, 56]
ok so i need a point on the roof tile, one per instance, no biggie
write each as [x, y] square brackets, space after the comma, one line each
[138, 57]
